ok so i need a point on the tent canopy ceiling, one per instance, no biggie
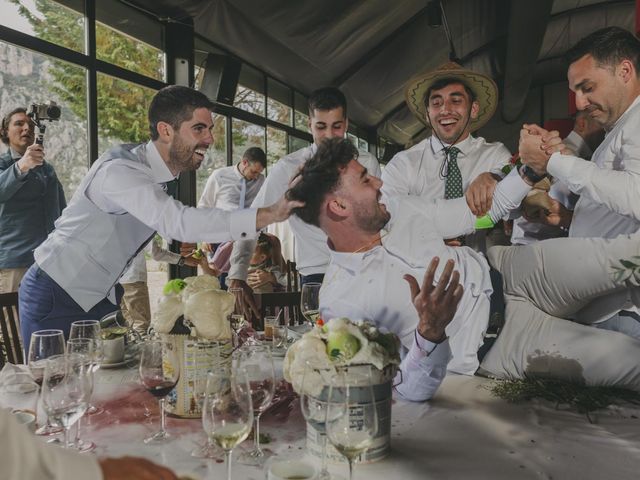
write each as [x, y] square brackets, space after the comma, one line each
[371, 48]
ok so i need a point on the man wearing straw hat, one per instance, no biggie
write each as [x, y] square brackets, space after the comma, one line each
[453, 102]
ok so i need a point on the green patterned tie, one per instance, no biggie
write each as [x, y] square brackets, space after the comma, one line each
[453, 184]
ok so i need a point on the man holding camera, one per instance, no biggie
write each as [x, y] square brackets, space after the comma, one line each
[31, 198]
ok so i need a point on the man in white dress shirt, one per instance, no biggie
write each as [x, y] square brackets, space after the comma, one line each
[117, 209]
[604, 70]
[453, 102]
[367, 262]
[363, 280]
[327, 119]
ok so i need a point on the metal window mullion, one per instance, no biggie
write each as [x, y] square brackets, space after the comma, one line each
[92, 78]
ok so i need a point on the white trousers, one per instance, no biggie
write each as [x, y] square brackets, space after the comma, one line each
[550, 282]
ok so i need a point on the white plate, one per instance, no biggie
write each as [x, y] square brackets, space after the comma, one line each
[118, 364]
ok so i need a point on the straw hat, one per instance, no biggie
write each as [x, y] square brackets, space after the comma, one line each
[483, 87]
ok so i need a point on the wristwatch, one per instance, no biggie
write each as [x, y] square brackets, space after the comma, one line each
[181, 261]
[530, 175]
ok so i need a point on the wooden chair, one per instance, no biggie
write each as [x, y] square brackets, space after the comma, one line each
[10, 328]
[273, 303]
[293, 279]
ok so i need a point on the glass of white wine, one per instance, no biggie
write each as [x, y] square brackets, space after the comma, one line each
[352, 418]
[227, 413]
[310, 301]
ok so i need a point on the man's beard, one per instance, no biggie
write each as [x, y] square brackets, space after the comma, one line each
[372, 222]
[181, 156]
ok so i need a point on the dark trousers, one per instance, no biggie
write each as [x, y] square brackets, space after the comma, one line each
[314, 278]
[43, 304]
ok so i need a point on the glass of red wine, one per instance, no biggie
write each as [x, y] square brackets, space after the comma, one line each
[159, 372]
[44, 344]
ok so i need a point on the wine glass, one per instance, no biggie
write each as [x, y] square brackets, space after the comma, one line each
[310, 302]
[90, 329]
[257, 361]
[86, 347]
[44, 344]
[227, 413]
[314, 409]
[352, 419]
[236, 319]
[205, 360]
[66, 389]
[159, 372]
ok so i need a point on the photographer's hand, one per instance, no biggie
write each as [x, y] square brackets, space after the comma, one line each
[33, 157]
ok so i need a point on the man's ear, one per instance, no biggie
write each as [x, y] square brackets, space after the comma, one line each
[165, 131]
[337, 207]
[475, 109]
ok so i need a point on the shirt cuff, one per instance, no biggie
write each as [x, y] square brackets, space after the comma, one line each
[19, 174]
[513, 186]
[424, 348]
[243, 224]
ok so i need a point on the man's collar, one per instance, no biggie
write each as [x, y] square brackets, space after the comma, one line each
[347, 260]
[238, 173]
[625, 113]
[14, 155]
[159, 169]
[464, 146]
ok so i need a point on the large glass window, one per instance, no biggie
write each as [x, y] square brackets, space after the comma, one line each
[35, 78]
[250, 91]
[296, 143]
[301, 113]
[122, 112]
[276, 145]
[278, 102]
[245, 135]
[216, 155]
[115, 47]
[47, 20]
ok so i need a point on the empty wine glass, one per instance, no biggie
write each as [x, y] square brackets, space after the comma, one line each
[310, 302]
[44, 344]
[236, 319]
[66, 389]
[352, 419]
[90, 329]
[206, 359]
[227, 413]
[257, 361]
[314, 409]
[86, 347]
[159, 372]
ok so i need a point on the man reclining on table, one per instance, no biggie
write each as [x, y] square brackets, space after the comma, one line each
[374, 244]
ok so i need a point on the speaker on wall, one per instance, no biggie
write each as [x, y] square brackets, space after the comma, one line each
[220, 78]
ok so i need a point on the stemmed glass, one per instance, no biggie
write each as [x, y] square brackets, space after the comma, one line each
[352, 418]
[86, 347]
[227, 413]
[257, 361]
[90, 329]
[159, 372]
[205, 362]
[44, 344]
[236, 319]
[66, 389]
[314, 409]
[310, 302]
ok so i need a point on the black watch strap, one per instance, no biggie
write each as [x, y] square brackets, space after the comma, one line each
[532, 176]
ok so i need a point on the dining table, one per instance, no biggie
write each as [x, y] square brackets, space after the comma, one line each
[464, 432]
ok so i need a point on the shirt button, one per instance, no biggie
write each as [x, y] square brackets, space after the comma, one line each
[243, 234]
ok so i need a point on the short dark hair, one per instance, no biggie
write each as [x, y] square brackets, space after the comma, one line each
[4, 129]
[608, 47]
[255, 155]
[444, 82]
[174, 105]
[327, 98]
[321, 176]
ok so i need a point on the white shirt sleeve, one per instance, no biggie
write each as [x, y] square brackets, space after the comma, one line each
[24, 457]
[422, 369]
[368, 161]
[161, 254]
[210, 192]
[122, 187]
[618, 190]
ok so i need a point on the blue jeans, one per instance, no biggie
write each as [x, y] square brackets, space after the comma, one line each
[43, 304]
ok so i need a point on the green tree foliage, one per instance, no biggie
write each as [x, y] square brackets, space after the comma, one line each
[122, 106]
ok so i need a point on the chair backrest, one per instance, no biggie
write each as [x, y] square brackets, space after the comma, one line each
[293, 278]
[273, 303]
[10, 327]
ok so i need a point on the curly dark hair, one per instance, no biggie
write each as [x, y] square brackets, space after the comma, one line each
[321, 176]
[608, 47]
